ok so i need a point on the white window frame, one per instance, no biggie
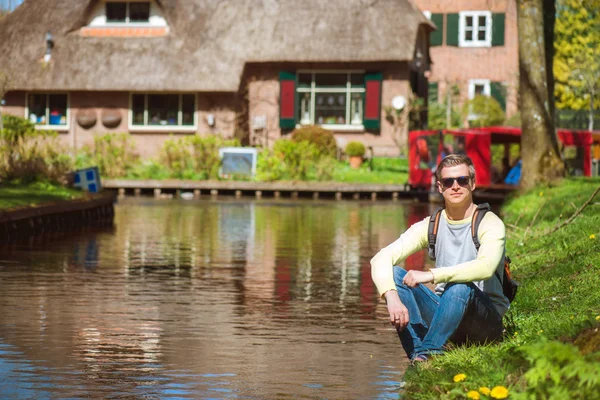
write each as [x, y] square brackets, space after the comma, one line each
[60, 127]
[486, 83]
[162, 128]
[348, 90]
[99, 18]
[462, 42]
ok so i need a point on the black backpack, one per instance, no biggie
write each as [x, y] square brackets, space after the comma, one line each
[509, 286]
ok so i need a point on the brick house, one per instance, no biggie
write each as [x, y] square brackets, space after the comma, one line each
[253, 69]
[475, 47]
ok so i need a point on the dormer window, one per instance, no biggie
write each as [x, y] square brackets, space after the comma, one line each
[133, 18]
[124, 12]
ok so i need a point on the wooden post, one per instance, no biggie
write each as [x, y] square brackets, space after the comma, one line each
[196, 193]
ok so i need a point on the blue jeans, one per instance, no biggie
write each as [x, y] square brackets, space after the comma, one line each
[462, 313]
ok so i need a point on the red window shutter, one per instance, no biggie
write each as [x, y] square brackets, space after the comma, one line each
[372, 113]
[287, 100]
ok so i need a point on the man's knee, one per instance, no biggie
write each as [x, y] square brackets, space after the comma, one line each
[459, 291]
[399, 274]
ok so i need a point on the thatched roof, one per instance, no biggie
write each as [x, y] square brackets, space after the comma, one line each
[208, 45]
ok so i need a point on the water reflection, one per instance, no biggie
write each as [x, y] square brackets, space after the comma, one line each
[206, 299]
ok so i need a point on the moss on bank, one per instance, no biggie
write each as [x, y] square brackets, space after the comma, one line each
[550, 350]
[12, 196]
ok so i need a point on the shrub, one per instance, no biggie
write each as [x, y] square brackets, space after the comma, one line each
[515, 120]
[436, 116]
[195, 157]
[294, 160]
[355, 149]
[29, 155]
[113, 154]
[323, 139]
[483, 111]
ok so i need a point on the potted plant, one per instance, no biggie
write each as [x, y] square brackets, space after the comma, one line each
[355, 152]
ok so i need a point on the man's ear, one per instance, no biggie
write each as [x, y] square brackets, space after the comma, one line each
[473, 185]
[439, 187]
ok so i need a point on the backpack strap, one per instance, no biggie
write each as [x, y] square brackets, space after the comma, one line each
[434, 223]
[478, 215]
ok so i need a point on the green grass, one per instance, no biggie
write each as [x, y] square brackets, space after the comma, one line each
[558, 301]
[12, 196]
[379, 174]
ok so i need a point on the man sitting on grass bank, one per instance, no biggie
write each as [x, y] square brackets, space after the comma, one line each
[468, 303]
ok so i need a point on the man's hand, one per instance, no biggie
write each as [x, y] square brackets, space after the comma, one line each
[413, 278]
[398, 312]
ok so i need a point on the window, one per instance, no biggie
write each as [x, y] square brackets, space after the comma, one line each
[475, 29]
[46, 109]
[127, 12]
[331, 98]
[479, 87]
[163, 110]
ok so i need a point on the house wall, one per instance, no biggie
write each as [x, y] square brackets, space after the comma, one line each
[263, 102]
[457, 65]
[148, 142]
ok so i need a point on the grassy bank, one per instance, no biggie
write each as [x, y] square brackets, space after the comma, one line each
[12, 196]
[552, 346]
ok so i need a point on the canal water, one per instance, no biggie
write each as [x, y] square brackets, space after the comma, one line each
[209, 299]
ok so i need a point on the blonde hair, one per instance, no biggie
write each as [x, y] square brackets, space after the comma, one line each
[453, 160]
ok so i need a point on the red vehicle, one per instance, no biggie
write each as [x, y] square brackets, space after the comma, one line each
[427, 148]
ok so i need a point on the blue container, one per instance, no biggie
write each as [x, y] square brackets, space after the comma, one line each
[55, 119]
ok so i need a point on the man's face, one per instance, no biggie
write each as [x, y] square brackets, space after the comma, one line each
[456, 186]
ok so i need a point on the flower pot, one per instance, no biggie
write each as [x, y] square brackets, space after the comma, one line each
[355, 162]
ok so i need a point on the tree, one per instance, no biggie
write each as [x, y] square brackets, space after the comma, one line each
[539, 144]
[577, 61]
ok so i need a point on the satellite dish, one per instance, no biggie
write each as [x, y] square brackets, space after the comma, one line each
[399, 102]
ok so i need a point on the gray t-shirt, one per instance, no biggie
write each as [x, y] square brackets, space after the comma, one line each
[454, 245]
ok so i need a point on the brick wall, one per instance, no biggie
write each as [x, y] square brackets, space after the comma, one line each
[458, 65]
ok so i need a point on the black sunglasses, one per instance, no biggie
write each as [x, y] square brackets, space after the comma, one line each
[461, 180]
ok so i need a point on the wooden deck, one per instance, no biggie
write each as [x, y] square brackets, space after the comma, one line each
[337, 190]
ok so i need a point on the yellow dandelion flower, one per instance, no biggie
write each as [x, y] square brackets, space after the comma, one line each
[592, 236]
[499, 392]
[459, 377]
[473, 394]
[541, 194]
[540, 331]
[572, 316]
[484, 390]
[597, 317]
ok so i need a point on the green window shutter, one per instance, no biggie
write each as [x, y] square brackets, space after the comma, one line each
[452, 29]
[432, 93]
[436, 37]
[498, 92]
[498, 29]
[287, 100]
[372, 108]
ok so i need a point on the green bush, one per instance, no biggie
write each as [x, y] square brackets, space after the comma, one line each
[483, 111]
[290, 160]
[323, 139]
[436, 116]
[355, 149]
[515, 120]
[112, 153]
[30, 155]
[195, 157]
